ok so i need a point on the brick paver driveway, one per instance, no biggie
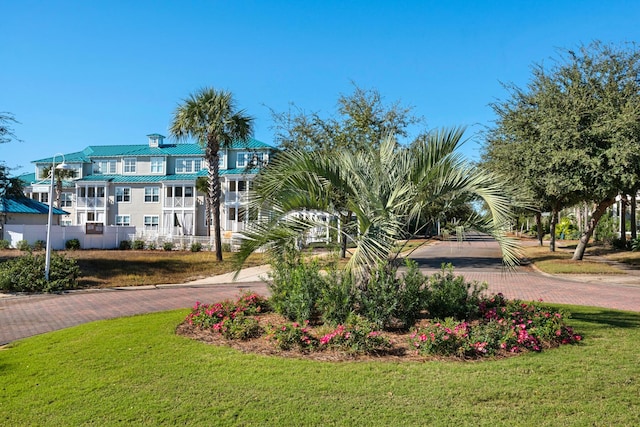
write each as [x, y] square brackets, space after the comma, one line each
[476, 259]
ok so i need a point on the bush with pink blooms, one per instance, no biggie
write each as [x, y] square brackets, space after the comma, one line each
[503, 326]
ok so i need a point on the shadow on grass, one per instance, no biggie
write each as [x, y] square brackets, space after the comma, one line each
[608, 318]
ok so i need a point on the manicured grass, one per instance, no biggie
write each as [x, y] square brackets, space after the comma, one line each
[136, 371]
[106, 269]
[559, 262]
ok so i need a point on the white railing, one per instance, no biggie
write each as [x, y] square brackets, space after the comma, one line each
[91, 202]
[179, 202]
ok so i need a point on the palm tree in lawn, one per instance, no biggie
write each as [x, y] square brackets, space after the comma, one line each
[386, 188]
[210, 116]
[202, 186]
[60, 176]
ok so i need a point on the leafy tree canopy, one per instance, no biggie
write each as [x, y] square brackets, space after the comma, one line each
[573, 133]
[362, 119]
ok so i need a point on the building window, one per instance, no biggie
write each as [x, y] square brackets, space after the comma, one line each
[65, 222]
[151, 194]
[123, 194]
[129, 165]
[44, 198]
[188, 191]
[157, 165]
[242, 159]
[104, 167]
[151, 222]
[222, 164]
[188, 165]
[259, 159]
[66, 200]
[124, 220]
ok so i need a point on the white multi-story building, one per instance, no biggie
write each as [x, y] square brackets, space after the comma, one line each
[151, 186]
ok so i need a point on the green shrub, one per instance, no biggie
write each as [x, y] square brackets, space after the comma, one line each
[619, 244]
[240, 328]
[5, 244]
[26, 274]
[138, 244]
[357, 335]
[125, 245]
[167, 246]
[337, 298]
[451, 296]
[291, 336]
[378, 300]
[226, 247]
[295, 287]
[39, 245]
[151, 246]
[23, 246]
[196, 247]
[635, 244]
[72, 244]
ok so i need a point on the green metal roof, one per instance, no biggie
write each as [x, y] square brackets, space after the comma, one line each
[24, 205]
[96, 151]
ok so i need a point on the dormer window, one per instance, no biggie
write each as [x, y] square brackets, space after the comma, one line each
[242, 159]
[157, 165]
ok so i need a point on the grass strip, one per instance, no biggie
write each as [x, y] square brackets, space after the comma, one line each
[136, 371]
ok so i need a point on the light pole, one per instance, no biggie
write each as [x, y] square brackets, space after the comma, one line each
[61, 166]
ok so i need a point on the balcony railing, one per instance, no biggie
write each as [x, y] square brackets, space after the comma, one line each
[179, 202]
[91, 202]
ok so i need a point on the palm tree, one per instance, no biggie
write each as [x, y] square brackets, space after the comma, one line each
[386, 188]
[210, 116]
[60, 176]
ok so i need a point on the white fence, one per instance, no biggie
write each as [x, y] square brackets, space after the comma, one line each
[110, 238]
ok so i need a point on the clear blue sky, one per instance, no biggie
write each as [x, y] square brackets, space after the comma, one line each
[79, 73]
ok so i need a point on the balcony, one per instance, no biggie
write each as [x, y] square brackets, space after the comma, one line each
[179, 202]
[91, 202]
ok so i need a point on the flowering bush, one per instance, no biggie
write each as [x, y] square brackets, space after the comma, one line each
[293, 335]
[231, 319]
[510, 326]
[357, 336]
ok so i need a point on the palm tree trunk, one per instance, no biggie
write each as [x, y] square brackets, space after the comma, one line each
[623, 218]
[213, 147]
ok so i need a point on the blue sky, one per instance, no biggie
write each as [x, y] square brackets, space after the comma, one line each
[79, 73]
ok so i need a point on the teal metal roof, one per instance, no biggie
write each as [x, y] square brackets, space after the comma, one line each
[96, 151]
[142, 179]
[24, 205]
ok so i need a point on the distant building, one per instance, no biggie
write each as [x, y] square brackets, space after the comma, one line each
[151, 186]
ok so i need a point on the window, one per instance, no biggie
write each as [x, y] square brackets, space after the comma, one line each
[65, 222]
[44, 197]
[104, 167]
[188, 191]
[123, 194]
[91, 216]
[129, 165]
[242, 159]
[259, 159]
[242, 186]
[151, 194]
[157, 165]
[124, 220]
[222, 164]
[66, 200]
[151, 222]
[188, 165]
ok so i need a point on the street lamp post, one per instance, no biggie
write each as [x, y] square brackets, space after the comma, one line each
[61, 166]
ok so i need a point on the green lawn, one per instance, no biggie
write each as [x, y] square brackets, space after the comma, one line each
[136, 371]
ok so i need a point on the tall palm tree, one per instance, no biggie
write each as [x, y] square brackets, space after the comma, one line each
[386, 188]
[60, 175]
[210, 116]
